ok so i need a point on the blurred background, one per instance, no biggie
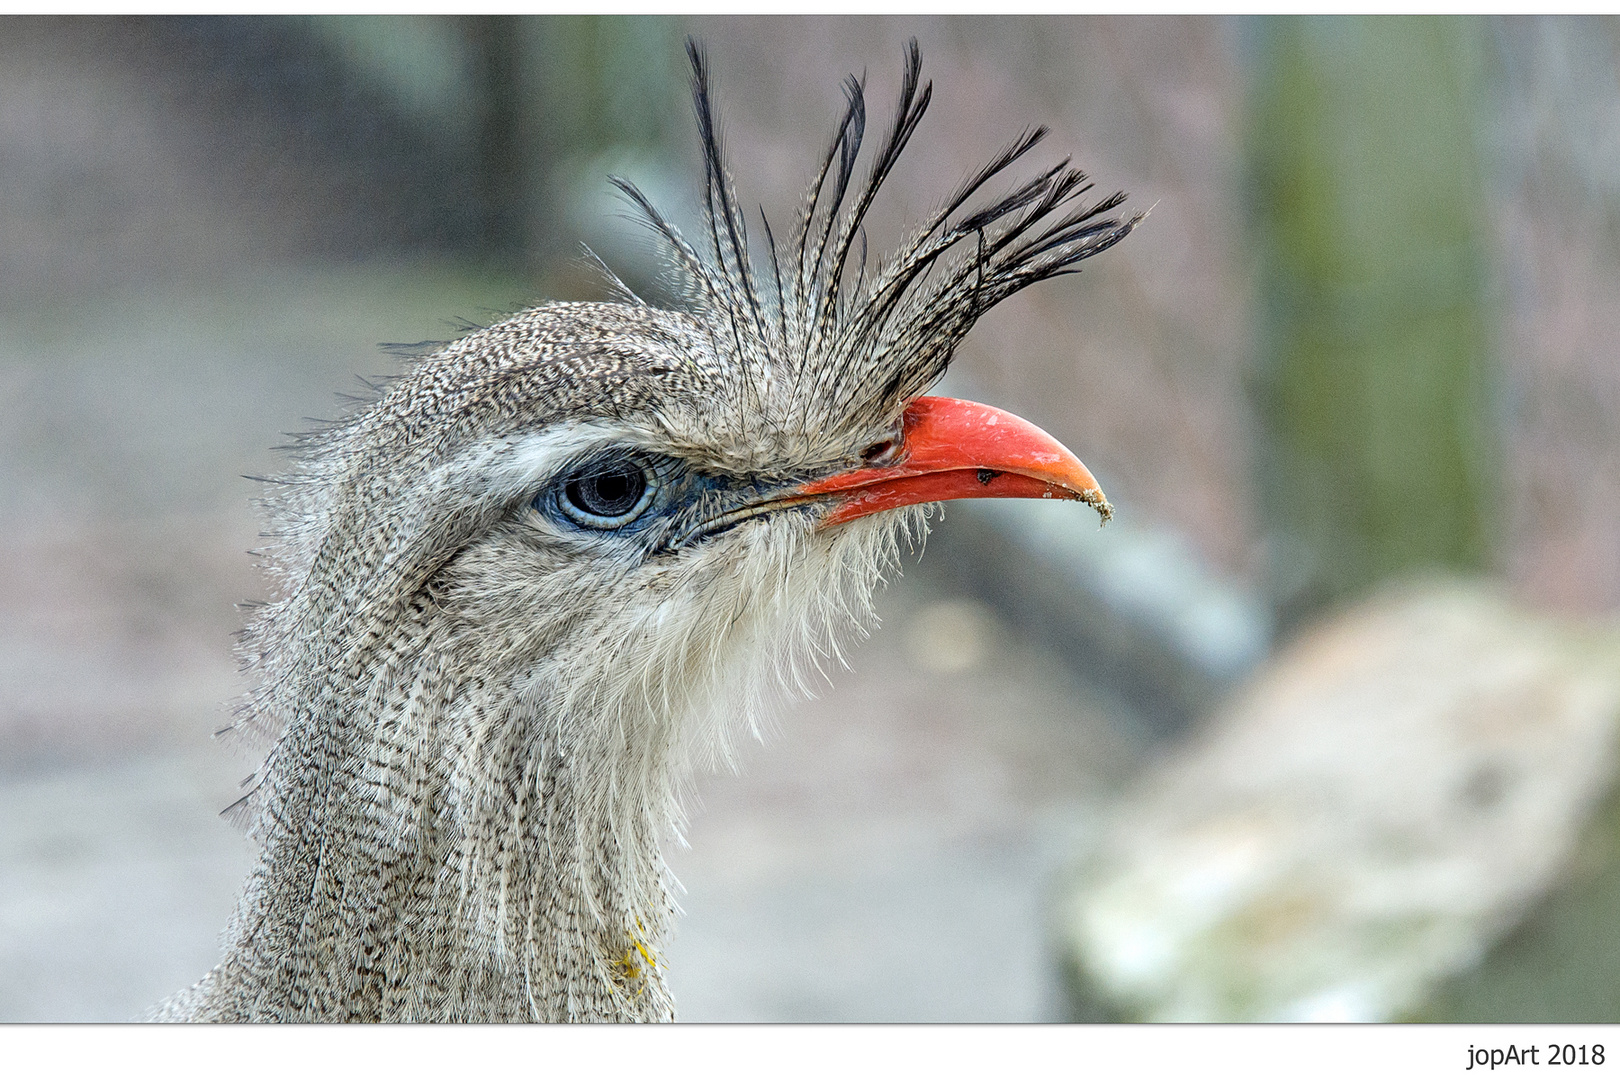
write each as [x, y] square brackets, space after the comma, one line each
[1323, 728]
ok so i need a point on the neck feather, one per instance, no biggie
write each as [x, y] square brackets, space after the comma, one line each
[435, 849]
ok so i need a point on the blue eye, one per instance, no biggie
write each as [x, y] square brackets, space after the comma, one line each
[609, 496]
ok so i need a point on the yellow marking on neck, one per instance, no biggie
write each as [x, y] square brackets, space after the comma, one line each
[636, 963]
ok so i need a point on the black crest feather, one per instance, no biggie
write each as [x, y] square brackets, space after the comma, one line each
[872, 338]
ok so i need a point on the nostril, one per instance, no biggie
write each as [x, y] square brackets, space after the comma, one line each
[879, 453]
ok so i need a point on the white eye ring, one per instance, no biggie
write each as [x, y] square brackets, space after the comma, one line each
[608, 497]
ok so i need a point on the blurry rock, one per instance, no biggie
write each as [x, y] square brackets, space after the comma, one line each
[1386, 800]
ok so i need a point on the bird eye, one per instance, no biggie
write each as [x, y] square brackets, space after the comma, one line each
[614, 495]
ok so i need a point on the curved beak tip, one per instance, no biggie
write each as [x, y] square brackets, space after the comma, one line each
[955, 449]
[1099, 502]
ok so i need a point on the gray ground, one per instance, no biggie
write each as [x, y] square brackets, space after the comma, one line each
[884, 855]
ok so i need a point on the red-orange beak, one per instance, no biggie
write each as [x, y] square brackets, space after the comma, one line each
[954, 449]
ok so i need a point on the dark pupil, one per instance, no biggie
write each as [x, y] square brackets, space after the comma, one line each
[607, 494]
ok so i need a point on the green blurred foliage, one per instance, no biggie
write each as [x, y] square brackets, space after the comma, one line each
[1374, 367]
[530, 100]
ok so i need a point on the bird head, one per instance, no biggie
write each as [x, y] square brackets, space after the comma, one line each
[627, 511]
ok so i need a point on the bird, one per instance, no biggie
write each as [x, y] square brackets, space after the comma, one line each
[565, 561]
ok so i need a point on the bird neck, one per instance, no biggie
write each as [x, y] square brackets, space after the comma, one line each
[443, 847]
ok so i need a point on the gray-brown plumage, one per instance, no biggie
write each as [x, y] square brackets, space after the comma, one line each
[560, 563]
